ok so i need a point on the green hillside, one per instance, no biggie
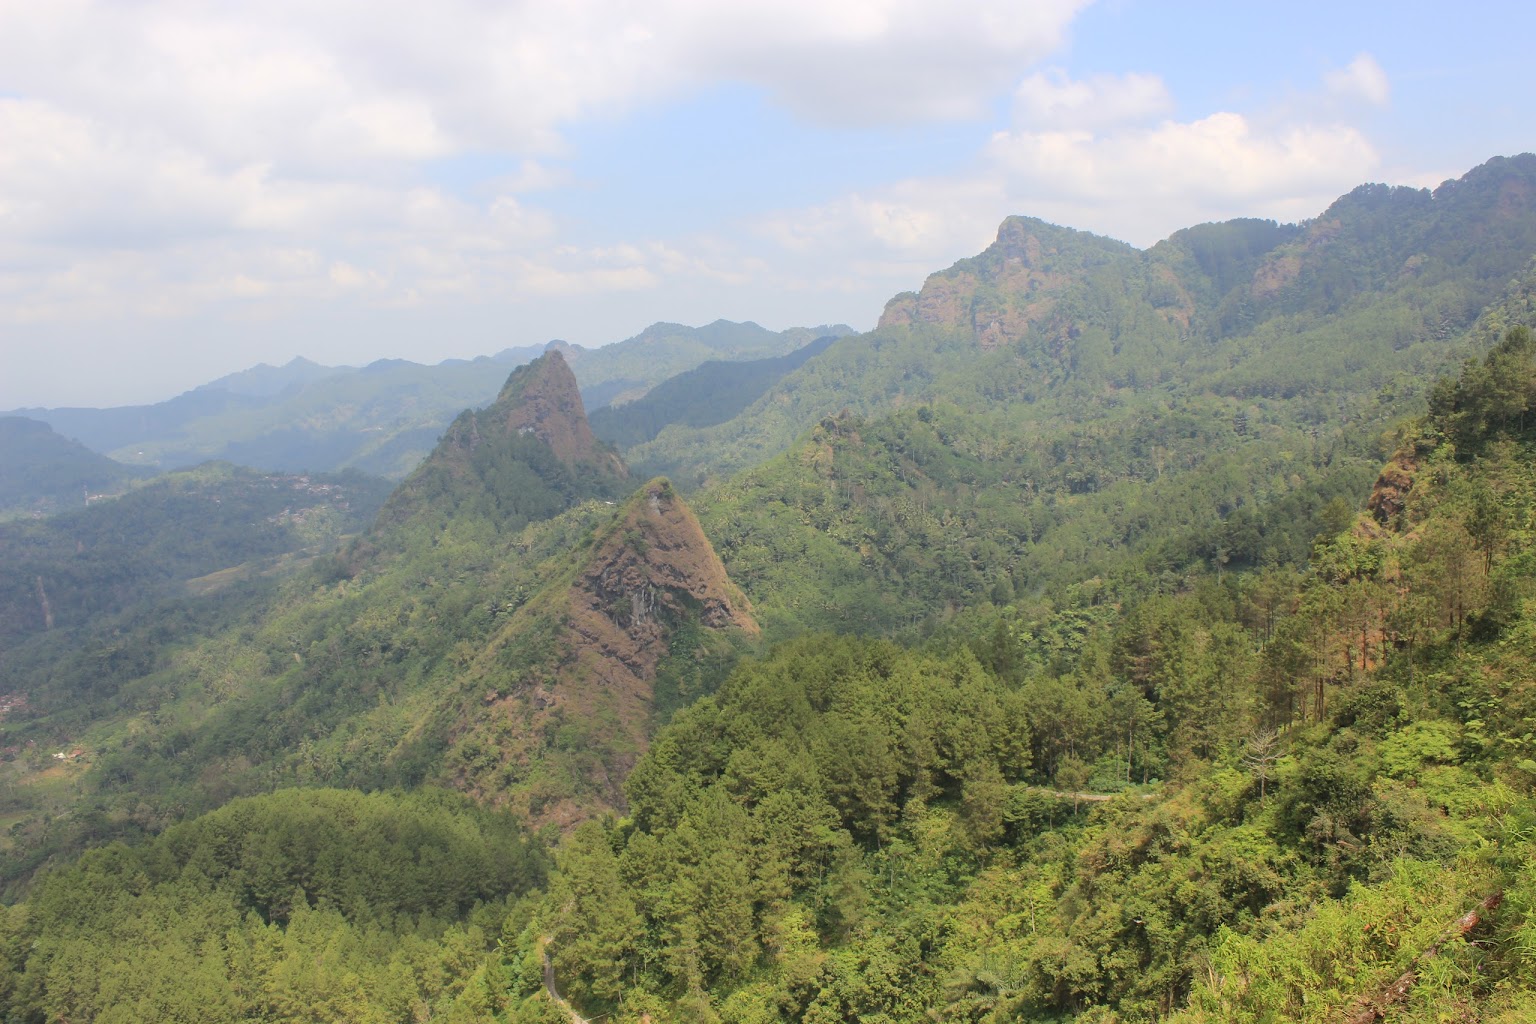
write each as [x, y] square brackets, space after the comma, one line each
[1111, 636]
[42, 473]
[1307, 799]
[1375, 291]
[197, 529]
[710, 393]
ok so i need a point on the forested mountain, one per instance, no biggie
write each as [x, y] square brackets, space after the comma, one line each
[708, 394]
[1054, 322]
[42, 473]
[1046, 654]
[503, 627]
[525, 457]
[383, 418]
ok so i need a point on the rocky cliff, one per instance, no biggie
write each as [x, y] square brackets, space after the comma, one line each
[567, 686]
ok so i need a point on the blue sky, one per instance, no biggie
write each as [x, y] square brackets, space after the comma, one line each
[187, 190]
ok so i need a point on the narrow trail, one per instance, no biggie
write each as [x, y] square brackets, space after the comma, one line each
[549, 982]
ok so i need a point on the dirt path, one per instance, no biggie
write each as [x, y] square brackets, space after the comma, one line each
[549, 982]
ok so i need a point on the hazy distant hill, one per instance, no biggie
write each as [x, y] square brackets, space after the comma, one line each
[43, 472]
[708, 394]
[626, 371]
[382, 418]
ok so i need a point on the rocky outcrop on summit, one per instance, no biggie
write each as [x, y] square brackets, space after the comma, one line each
[1389, 495]
[544, 400]
[1012, 287]
[527, 456]
[603, 628]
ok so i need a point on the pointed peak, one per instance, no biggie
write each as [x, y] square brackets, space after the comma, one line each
[542, 398]
[656, 542]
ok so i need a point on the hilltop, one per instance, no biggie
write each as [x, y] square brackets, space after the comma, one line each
[527, 456]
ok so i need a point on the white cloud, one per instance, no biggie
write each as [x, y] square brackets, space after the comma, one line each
[1220, 164]
[174, 159]
[871, 60]
[1096, 154]
[201, 138]
[1054, 101]
[350, 83]
[1361, 79]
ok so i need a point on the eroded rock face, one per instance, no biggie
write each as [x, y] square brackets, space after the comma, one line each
[648, 573]
[1390, 492]
[545, 401]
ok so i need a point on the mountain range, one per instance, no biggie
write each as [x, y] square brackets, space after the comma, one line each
[1109, 635]
[382, 418]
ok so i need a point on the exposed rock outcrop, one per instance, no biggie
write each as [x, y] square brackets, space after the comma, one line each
[1010, 289]
[1390, 493]
[544, 399]
[607, 623]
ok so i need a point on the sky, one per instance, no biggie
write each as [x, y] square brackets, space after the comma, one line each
[192, 187]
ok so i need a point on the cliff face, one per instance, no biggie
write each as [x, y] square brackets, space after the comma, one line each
[543, 399]
[572, 717]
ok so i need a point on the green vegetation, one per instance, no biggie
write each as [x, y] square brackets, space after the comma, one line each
[1095, 681]
[711, 393]
[301, 905]
[43, 473]
[385, 417]
[74, 568]
[851, 830]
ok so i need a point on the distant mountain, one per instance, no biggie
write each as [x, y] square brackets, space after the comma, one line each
[384, 417]
[615, 374]
[41, 472]
[708, 394]
[264, 381]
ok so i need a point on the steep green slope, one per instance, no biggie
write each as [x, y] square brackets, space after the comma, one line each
[42, 473]
[879, 523]
[708, 394]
